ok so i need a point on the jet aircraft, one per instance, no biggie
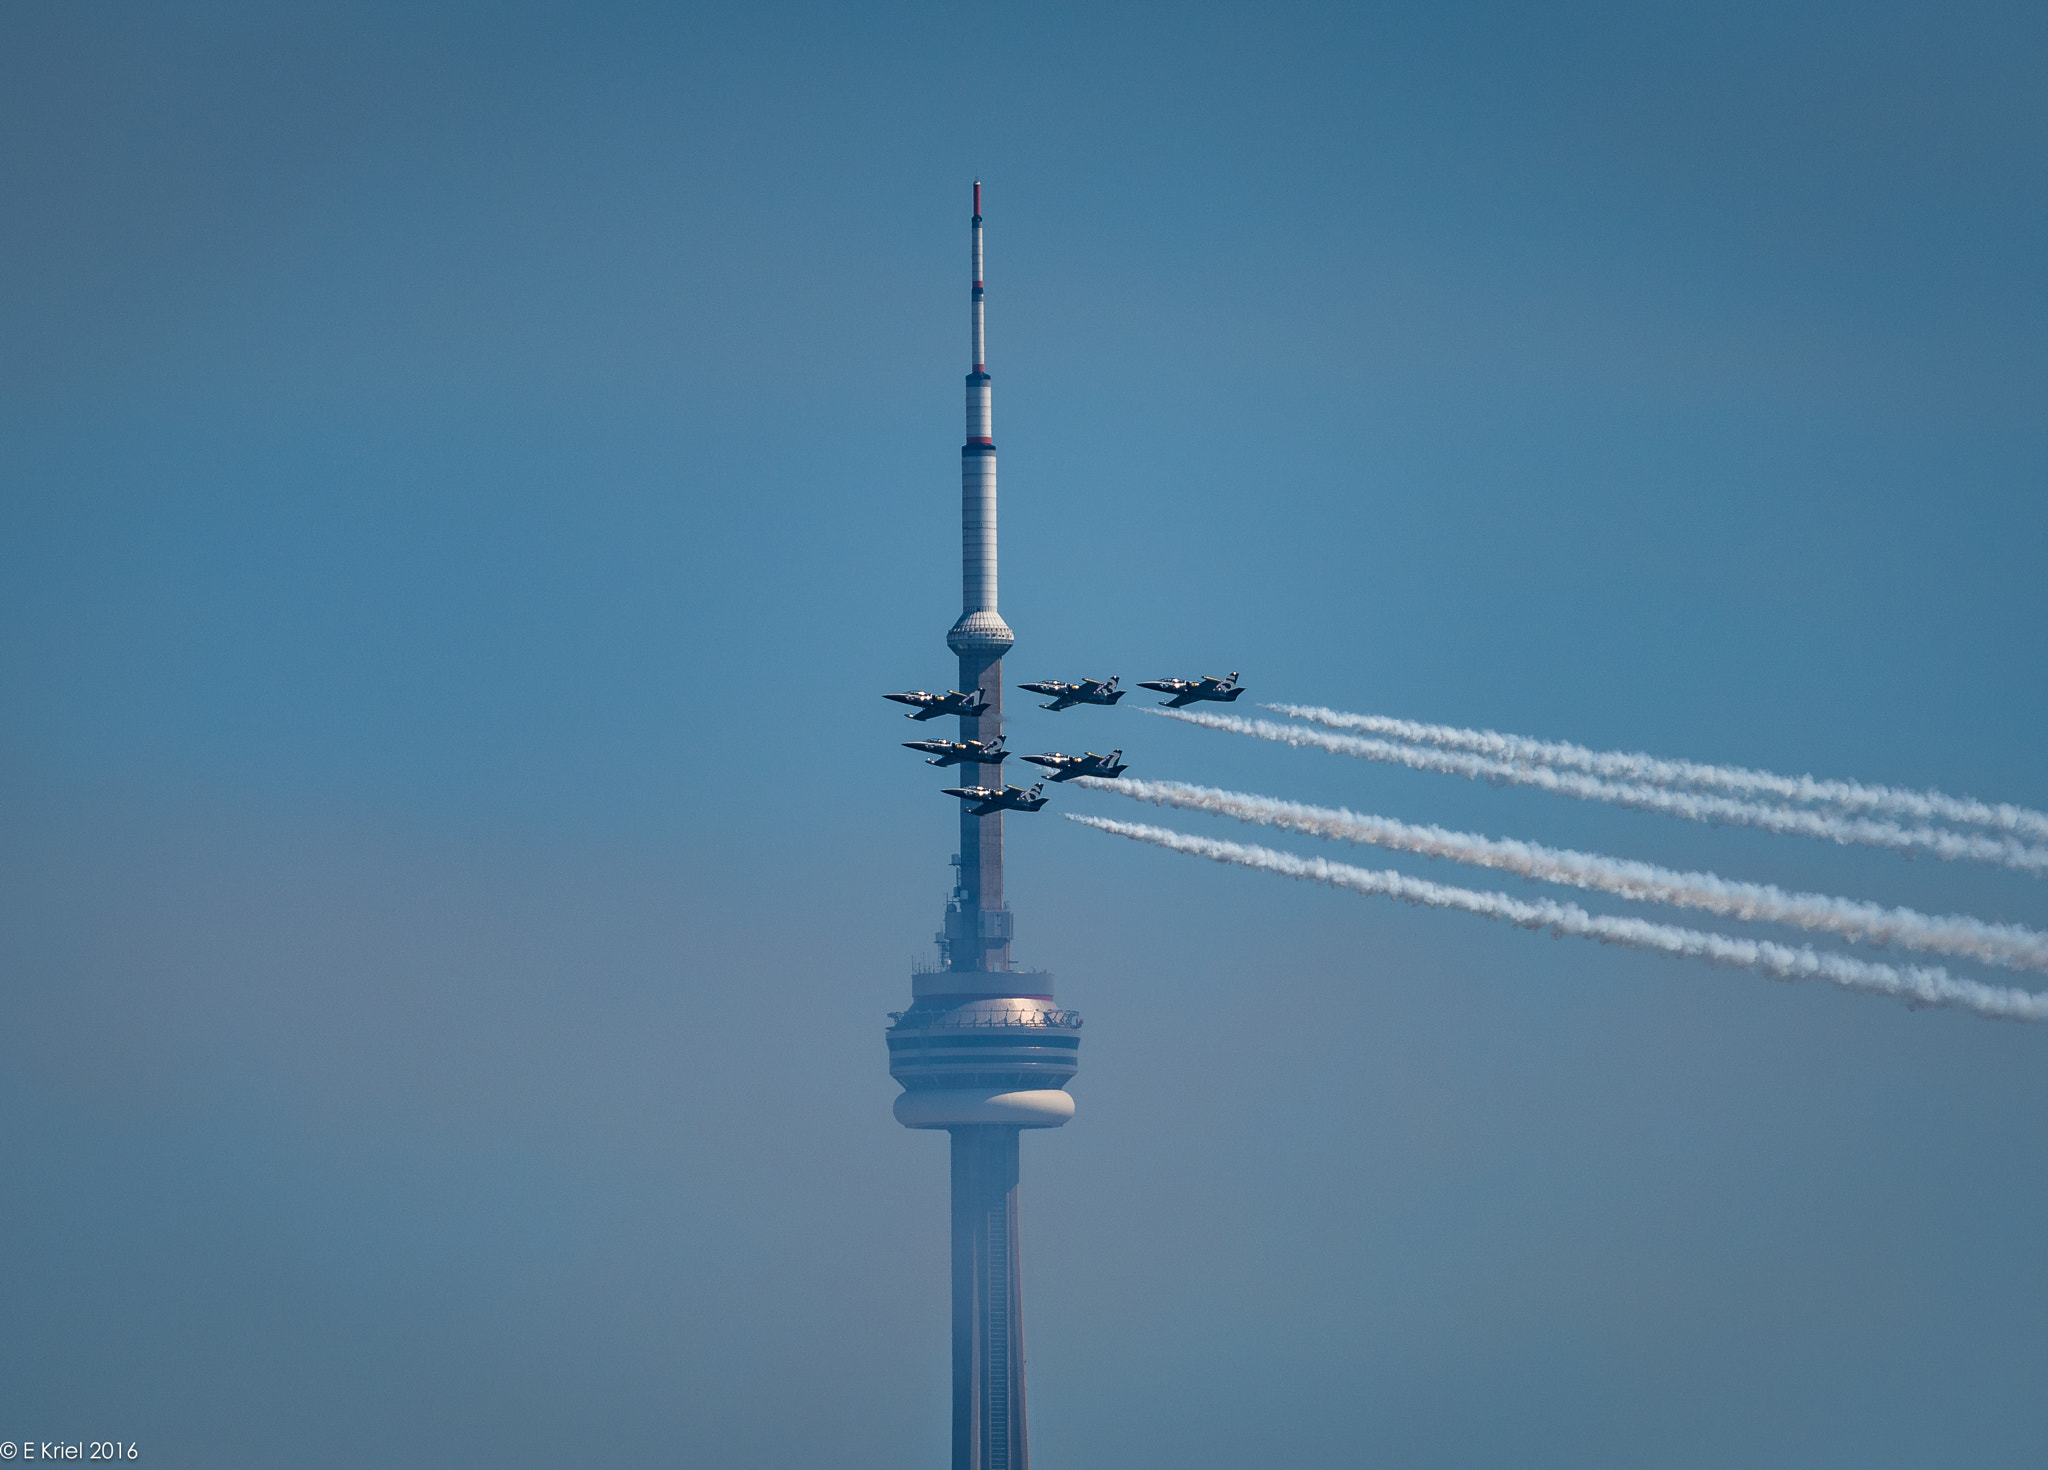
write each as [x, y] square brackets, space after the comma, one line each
[1088, 691]
[1067, 767]
[952, 702]
[1188, 691]
[961, 752]
[992, 799]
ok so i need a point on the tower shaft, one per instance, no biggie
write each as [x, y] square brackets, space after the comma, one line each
[981, 838]
[988, 1303]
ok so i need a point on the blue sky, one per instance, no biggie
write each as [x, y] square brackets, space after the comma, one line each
[468, 472]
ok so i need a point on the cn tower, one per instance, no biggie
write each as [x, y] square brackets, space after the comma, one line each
[983, 1052]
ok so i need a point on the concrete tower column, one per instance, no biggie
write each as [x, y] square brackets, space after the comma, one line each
[981, 838]
[988, 1302]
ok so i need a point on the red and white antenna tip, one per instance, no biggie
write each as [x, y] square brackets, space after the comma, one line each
[977, 196]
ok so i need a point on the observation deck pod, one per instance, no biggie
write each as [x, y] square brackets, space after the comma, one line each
[966, 1057]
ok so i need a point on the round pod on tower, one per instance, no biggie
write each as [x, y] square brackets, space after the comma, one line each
[1002, 1059]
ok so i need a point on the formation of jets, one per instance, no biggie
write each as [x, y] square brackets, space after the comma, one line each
[1188, 691]
[1088, 691]
[1067, 767]
[988, 800]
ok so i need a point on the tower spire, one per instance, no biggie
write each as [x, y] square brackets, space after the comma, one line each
[981, 627]
[978, 355]
[977, 935]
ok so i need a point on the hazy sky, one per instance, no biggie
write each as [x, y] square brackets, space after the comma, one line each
[469, 471]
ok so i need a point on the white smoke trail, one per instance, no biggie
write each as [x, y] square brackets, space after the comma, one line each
[1917, 985]
[1692, 806]
[1999, 944]
[1634, 766]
